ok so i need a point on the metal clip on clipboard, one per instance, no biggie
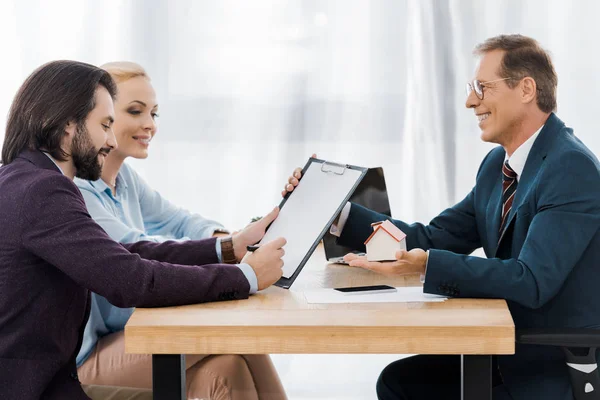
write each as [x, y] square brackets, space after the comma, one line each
[329, 185]
[332, 170]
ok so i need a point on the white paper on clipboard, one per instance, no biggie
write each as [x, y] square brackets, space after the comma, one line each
[309, 208]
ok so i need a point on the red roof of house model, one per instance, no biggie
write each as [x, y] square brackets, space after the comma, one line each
[389, 228]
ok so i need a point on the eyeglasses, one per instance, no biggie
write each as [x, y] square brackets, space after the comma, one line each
[478, 86]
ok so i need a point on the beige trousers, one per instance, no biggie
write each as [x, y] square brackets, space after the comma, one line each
[116, 393]
[213, 377]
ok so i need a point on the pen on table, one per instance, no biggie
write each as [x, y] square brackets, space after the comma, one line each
[252, 248]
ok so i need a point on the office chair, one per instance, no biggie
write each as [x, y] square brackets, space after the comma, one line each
[579, 346]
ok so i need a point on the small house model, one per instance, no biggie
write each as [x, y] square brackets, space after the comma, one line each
[385, 241]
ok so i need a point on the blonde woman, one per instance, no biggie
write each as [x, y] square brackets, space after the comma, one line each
[129, 210]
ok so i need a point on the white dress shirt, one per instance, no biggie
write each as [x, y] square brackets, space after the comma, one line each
[519, 157]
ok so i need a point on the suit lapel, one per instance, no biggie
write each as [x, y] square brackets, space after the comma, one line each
[523, 188]
[534, 162]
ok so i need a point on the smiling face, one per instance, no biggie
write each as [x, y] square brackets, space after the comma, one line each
[501, 111]
[135, 117]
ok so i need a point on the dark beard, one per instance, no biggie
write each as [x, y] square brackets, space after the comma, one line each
[85, 155]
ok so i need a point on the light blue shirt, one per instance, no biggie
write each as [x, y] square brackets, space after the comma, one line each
[136, 213]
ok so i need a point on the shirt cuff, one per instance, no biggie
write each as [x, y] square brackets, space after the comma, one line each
[425, 273]
[250, 275]
[246, 269]
[336, 229]
[218, 249]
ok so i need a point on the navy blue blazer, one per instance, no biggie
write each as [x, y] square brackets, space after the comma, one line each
[546, 263]
[52, 253]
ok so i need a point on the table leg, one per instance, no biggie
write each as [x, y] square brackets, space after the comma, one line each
[168, 377]
[476, 373]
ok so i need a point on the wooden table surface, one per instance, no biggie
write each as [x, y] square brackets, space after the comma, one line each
[281, 321]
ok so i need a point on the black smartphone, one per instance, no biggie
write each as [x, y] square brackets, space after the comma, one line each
[367, 289]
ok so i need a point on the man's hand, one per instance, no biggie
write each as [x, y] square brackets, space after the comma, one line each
[266, 262]
[293, 180]
[407, 262]
[252, 234]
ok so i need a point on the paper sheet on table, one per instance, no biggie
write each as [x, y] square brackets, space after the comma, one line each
[403, 295]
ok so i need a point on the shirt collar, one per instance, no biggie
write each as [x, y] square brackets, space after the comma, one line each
[519, 157]
[98, 184]
[54, 161]
[101, 186]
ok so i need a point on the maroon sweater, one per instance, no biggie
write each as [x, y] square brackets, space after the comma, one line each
[52, 254]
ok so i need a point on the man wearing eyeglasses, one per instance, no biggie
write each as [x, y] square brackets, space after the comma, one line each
[535, 210]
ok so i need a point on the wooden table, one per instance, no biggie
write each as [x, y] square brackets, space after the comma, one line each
[281, 321]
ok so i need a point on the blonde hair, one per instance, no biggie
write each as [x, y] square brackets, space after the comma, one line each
[122, 71]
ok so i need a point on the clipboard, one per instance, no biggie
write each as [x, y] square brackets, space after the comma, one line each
[307, 213]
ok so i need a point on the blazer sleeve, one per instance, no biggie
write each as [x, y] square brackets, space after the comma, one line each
[563, 227]
[142, 274]
[455, 229]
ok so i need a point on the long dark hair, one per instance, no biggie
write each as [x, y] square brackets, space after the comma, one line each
[52, 96]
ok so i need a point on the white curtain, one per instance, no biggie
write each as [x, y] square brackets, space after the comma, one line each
[569, 30]
[248, 90]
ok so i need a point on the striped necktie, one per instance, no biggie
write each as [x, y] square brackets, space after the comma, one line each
[509, 187]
